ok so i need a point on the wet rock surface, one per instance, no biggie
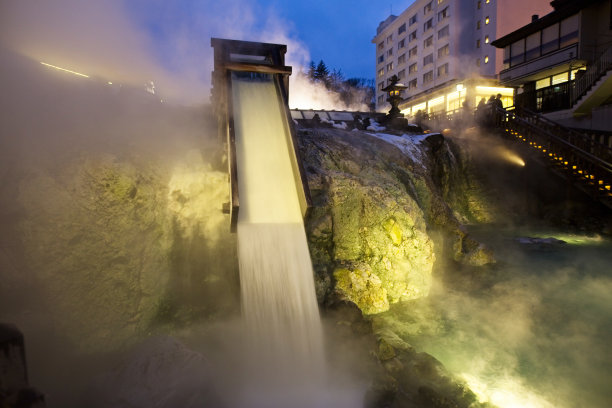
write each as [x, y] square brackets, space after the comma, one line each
[374, 208]
[113, 247]
[384, 210]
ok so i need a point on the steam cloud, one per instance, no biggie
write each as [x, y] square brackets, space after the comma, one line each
[108, 40]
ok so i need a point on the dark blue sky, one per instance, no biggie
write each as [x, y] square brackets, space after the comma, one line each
[338, 32]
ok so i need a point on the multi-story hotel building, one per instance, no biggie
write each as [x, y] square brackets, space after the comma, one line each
[441, 50]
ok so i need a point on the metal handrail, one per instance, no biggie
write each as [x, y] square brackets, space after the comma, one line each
[604, 165]
[592, 74]
[567, 131]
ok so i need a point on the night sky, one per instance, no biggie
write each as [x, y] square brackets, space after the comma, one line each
[137, 41]
[338, 32]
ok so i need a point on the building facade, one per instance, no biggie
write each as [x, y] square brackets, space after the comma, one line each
[561, 64]
[441, 50]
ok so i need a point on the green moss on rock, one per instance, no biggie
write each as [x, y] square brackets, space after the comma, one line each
[362, 288]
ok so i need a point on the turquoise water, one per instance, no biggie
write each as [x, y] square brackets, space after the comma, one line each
[533, 331]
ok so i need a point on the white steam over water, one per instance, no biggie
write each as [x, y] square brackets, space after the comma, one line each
[285, 362]
[538, 335]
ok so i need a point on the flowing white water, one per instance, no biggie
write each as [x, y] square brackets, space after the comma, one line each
[284, 336]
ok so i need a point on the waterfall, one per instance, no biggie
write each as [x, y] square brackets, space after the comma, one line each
[283, 328]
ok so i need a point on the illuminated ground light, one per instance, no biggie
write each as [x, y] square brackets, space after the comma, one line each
[64, 69]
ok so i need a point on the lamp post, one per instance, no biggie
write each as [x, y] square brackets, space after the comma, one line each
[394, 90]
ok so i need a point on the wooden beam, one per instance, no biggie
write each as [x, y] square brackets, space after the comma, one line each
[261, 68]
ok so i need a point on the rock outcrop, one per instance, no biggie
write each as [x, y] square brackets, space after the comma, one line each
[115, 246]
[376, 200]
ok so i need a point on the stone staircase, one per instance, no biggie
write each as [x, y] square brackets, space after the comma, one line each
[582, 160]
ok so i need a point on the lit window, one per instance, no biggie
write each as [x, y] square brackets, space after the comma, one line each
[487, 20]
[381, 72]
[486, 39]
[412, 69]
[486, 59]
[412, 84]
[542, 83]
[559, 78]
[487, 1]
[390, 66]
[444, 51]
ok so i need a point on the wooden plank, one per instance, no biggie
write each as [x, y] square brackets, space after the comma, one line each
[260, 68]
[231, 159]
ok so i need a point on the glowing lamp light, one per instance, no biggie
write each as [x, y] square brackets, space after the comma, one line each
[64, 69]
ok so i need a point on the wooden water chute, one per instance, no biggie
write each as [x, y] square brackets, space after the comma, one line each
[263, 58]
